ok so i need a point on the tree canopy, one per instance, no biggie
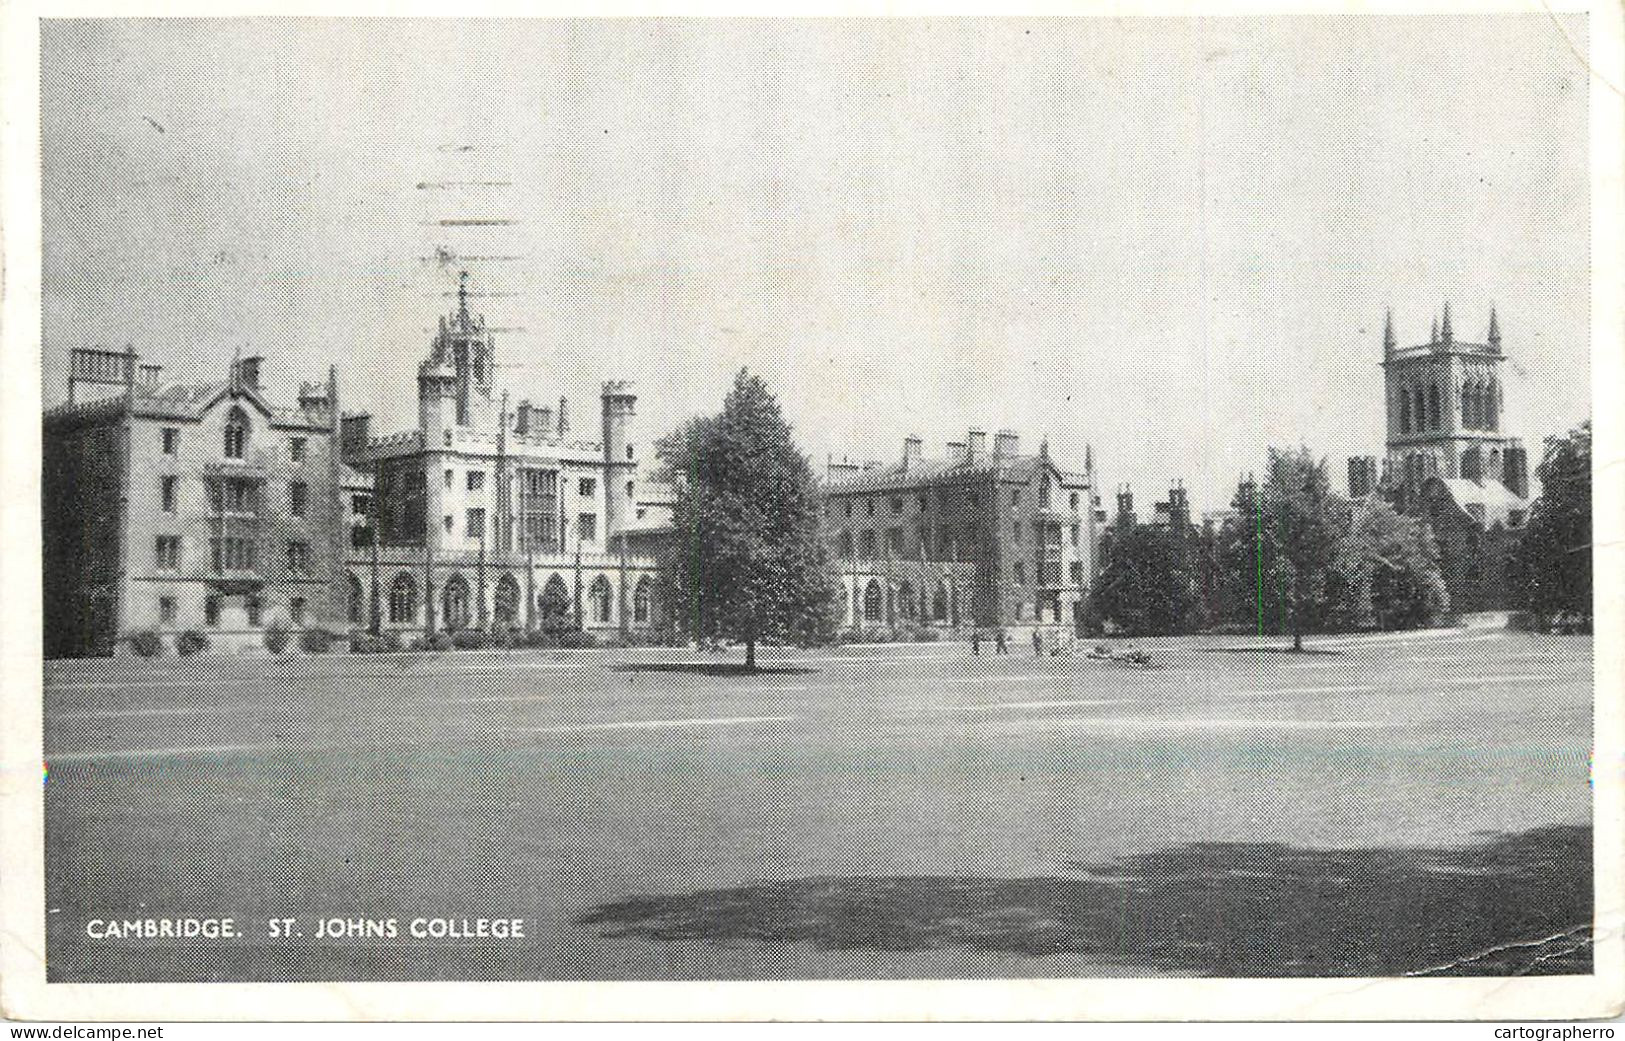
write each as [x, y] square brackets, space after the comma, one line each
[1552, 566]
[746, 561]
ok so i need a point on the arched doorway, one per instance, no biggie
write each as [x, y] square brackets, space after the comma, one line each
[505, 605]
[874, 602]
[454, 604]
[601, 599]
[642, 598]
[403, 600]
[554, 603]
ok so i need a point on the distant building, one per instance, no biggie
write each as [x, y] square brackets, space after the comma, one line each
[978, 538]
[1448, 459]
[187, 505]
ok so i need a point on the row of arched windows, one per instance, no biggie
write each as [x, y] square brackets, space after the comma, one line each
[870, 602]
[1422, 409]
[553, 603]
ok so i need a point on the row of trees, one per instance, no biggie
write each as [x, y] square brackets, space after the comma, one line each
[1298, 558]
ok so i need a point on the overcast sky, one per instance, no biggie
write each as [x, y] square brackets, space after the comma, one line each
[1171, 238]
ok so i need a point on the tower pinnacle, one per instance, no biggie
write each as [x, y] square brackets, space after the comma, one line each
[1388, 342]
[1495, 331]
[462, 296]
[1444, 327]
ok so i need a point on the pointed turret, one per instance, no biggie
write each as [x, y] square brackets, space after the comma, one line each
[1444, 326]
[1389, 344]
[1494, 337]
[1433, 337]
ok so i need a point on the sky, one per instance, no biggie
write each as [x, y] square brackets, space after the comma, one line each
[1170, 239]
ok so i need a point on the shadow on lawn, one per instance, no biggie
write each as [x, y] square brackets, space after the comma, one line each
[713, 668]
[1266, 650]
[1513, 905]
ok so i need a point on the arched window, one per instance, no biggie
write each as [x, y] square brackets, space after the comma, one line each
[1420, 413]
[555, 601]
[358, 602]
[454, 604]
[846, 545]
[1435, 416]
[905, 600]
[602, 600]
[1404, 411]
[642, 601]
[1492, 404]
[939, 605]
[236, 434]
[505, 605]
[403, 600]
[874, 602]
[1467, 405]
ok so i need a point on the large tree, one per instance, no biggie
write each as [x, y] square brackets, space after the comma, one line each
[1385, 570]
[1299, 524]
[1153, 581]
[1552, 567]
[746, 561]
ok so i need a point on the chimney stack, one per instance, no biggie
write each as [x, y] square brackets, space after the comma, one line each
[957, 452]
[564, 417]
[976, 446]
[149, 375]
[355, 430]
[248, 371]
[521, 418]
[1006, 444]
[911, 451]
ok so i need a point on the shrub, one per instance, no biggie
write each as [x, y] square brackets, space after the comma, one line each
[440, 642]
[507, 639]
[576, 638]
[146, 642]
[191, 642]
[381, 643]
[316, 641]
[277, 637]
[469, 640]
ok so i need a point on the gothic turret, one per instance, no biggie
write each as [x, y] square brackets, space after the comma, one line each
[1494, 337]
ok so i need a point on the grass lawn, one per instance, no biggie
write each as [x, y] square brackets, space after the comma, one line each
[1401, 805]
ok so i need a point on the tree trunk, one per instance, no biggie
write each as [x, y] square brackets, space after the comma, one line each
[750, 654]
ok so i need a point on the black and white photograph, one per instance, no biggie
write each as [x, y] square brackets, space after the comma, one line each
[736, 499]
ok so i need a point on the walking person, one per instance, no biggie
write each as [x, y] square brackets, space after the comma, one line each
[1038, 643]
[998, 642]
[976, 642]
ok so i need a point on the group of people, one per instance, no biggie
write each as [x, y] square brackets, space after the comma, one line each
[1001, 644]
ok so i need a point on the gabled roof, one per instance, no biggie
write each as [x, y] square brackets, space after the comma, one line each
[193, 400]
[1486, 502]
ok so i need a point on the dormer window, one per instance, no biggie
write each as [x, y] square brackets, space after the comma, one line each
[236, 434]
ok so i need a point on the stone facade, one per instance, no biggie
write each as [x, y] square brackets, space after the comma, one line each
[177, 506]
[984, 539]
